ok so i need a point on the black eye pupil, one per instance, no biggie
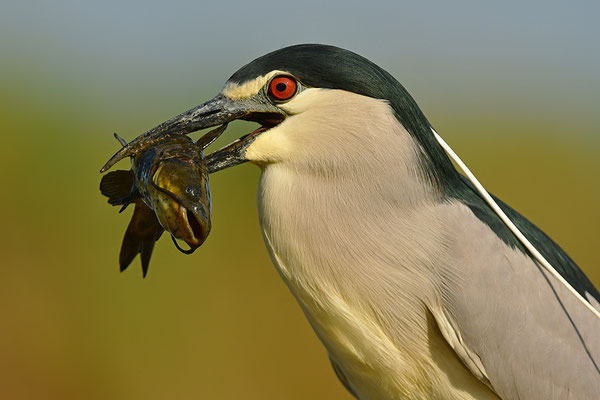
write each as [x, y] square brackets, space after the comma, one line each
[280, 87]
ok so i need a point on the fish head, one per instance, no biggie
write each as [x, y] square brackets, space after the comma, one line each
[180, 196]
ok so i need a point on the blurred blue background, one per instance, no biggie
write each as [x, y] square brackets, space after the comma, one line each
[513, 86]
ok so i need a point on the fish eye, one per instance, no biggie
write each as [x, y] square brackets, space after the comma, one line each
[282, 88]
[189, 190]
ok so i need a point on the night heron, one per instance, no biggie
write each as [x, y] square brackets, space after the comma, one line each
[410, 274]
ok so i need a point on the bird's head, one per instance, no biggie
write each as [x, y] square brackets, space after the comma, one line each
[318, 106]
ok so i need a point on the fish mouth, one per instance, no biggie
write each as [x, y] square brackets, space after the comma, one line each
[184, 224]
[192, 230]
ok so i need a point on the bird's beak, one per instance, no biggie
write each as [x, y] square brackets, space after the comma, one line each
[218, 111]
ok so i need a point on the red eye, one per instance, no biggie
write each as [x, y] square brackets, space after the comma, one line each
[282, 88]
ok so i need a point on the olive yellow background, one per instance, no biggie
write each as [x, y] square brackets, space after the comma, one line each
[513, 87]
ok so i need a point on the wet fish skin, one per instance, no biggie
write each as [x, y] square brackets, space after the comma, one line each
[168, 183]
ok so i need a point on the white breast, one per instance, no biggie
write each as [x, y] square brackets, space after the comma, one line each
[364, 284]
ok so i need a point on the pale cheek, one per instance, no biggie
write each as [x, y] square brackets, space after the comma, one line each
[271, 146]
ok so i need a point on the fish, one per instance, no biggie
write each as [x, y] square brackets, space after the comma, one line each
[168, 183]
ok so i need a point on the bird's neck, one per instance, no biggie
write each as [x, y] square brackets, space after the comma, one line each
[337, 238]
[311, 209]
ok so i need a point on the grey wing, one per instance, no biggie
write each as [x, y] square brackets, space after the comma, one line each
[551, 251]
[512, 324]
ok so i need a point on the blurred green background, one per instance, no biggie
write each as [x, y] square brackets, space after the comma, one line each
[513, 87]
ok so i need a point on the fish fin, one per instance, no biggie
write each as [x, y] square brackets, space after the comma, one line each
[120, 139]
[146, 251]
[118, 186]
[143, 230]
[145, 254]
[210, 137]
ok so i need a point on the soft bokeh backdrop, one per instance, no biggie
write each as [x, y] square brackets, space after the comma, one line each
[513, 86]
